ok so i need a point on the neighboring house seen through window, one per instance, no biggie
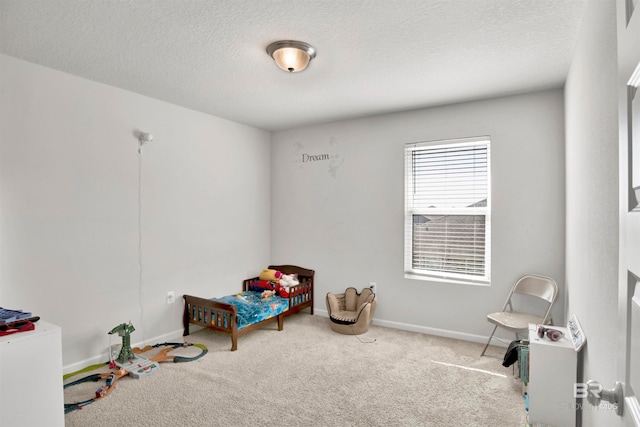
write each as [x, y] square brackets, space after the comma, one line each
[448, 210]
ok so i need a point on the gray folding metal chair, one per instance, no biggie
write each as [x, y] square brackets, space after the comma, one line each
[517, 320]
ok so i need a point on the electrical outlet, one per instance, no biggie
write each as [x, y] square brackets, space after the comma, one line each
[373, 287]
[171, 297]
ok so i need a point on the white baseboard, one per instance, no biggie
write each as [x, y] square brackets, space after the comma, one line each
[482, 339]
[175, 336]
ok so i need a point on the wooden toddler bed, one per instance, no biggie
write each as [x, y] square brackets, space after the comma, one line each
[227, 314]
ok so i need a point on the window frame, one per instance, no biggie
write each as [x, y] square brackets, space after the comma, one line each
[410, 210]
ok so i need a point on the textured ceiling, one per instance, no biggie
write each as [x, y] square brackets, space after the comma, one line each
[374, 56]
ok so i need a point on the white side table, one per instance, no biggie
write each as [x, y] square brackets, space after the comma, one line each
[31, 390]
[553, 369]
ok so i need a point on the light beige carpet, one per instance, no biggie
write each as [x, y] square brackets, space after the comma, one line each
[307, 375]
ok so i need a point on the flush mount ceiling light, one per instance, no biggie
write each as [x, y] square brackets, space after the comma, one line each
[291, 55]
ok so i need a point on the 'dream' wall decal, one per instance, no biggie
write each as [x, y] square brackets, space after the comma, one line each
[326, 156]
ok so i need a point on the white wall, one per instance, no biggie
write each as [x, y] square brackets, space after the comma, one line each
[69, 228]
[343, 216]
[592, 196]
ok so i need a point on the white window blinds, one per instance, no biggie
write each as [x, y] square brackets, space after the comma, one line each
[447, 209]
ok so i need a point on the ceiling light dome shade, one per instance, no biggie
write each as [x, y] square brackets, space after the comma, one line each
[290, 55]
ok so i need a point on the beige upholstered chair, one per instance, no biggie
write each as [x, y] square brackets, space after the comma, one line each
[351, 312]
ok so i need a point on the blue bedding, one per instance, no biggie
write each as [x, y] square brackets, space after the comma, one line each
[253, 309]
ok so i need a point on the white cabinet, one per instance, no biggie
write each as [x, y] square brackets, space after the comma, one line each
[31, 393]
[553, 367]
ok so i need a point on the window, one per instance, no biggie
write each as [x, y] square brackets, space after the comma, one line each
[448, 210]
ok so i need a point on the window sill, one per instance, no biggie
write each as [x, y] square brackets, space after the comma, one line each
[450, 280]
